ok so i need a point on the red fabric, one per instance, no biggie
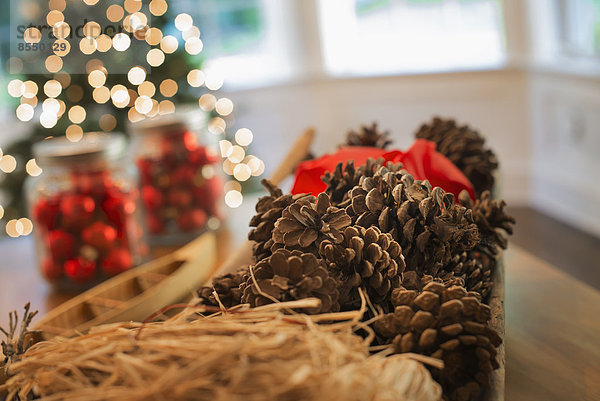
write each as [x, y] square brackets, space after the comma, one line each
[421, 160]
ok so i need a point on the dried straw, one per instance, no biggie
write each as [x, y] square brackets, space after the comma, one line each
[244, 354]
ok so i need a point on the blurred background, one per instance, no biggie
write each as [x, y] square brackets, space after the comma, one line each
[526, 74]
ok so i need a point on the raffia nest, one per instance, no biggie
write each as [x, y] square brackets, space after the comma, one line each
[243, 354]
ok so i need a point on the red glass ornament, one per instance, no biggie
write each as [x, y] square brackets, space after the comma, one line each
[45, 212]
[100, 236]
[183, 175]
[152, 198]
[77, 209]
[192, 220]
[117, 261]
[94, 183]
[180, 198]
[80, 270]
[61, 244]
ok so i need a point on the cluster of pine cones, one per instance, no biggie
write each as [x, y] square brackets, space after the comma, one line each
[422, 260]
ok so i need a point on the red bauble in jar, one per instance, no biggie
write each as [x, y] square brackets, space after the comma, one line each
[85, 210]
[179, 171]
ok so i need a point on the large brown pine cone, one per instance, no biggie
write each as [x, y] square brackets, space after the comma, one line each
[304, 225]
[491, 218]
[465, 147]
[368, 259]
[291, 275]
[227, 288]
[448, 323]
[368, 136]
[268, 209]
[342, 180]
[427, 223]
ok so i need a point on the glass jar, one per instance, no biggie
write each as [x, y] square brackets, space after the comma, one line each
[85, 209]
[180, 186]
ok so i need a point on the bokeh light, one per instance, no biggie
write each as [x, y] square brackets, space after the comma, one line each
[224, 106]
[136, 75]
[237, 154]
[101, 94]
[96, 79]
[244, 137]
[61, 47]
[207, 102]
[54, 17]
[32, 35]
[132, 6]
[194, 46]
[77, 114]
[183, 22]
[153, 36]
[158, 7]
[92, 29]
[155, 57]
[195, 78]
[147, 88]
[54, 63]
[121, 42]
[52, 88]
[32, 168]
[74, 133]
[242, 172]
[168, 88]
[166, 107]
[16, 88]
[104, 43]
[115, 13]
[51, 106]
[25, 112]
[169, 44]
[234, 199]
[8, 164]
[61, 30]
[107, 122]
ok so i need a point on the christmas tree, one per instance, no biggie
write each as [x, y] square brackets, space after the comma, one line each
[87, 66]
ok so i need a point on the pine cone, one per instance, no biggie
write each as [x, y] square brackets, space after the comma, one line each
[268, 209]
[291, 275]
[368, 136]
[448, 323]
[491, 218]
[341, 181]
[227, 288]
[477, 266]
[304, 225]
[465, 148]
[427, 223]
[366, 258]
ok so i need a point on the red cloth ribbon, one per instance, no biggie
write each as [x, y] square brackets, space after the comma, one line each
[421, 160]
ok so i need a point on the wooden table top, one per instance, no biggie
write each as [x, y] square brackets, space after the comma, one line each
[552, 321]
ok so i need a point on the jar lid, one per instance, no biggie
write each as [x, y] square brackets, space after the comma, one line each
[93, 147]
[162, 125]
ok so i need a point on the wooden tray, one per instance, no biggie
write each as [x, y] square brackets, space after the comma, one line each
[137, 293]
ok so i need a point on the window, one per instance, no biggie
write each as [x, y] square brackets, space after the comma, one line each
[579, 27]
[390, 36]
[245, 40]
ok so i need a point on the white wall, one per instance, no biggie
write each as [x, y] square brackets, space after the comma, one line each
[566, 157]
[495, 102]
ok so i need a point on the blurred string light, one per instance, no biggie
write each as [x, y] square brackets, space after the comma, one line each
[140, 101]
